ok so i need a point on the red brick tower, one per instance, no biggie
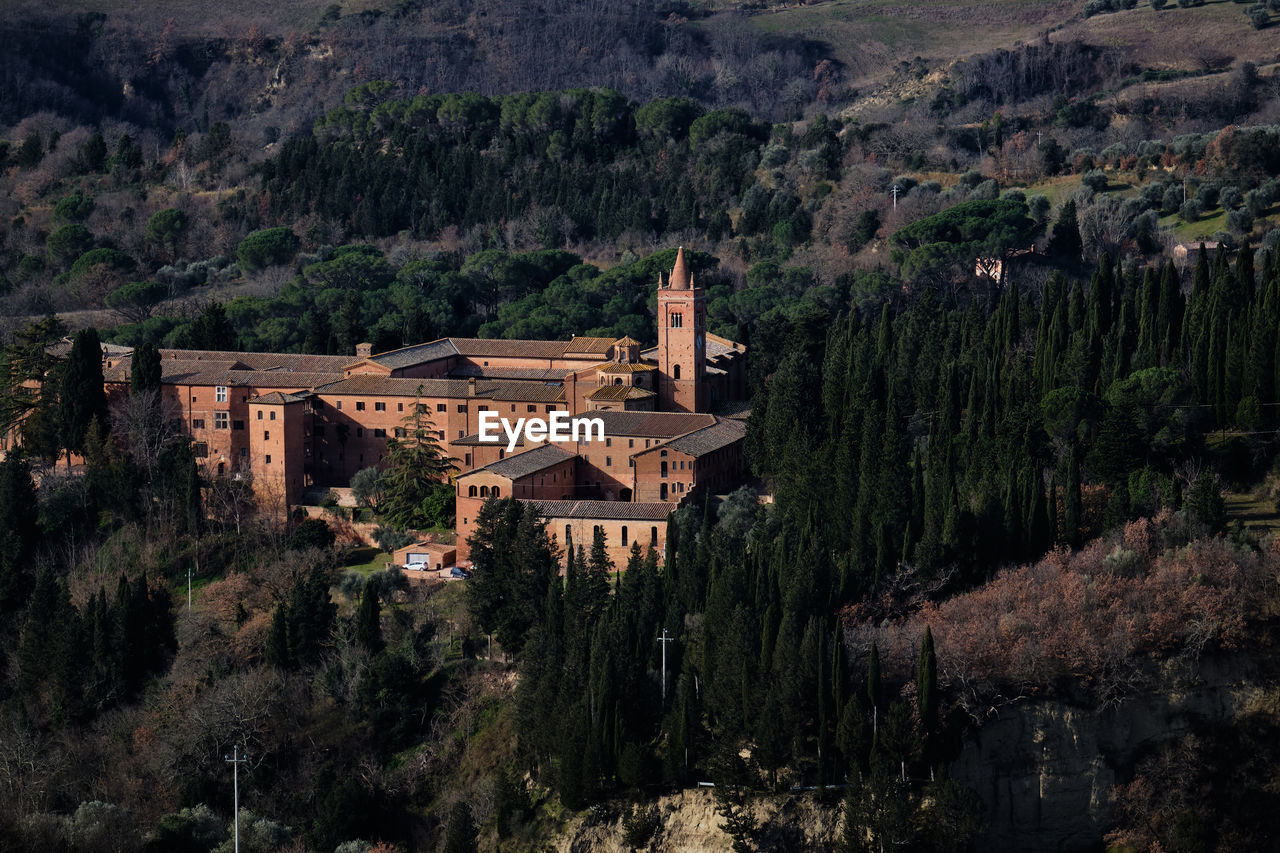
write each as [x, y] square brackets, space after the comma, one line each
[682, 341]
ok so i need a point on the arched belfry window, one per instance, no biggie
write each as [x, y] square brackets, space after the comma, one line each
[676, 371]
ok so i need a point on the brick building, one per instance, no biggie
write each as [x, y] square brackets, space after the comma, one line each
[298, 421]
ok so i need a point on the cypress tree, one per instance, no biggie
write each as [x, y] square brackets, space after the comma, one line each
[927, 683]
[144, 368]
[369, 620]
[82, 397]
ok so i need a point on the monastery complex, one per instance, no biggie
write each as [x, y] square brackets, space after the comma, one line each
[297, 422]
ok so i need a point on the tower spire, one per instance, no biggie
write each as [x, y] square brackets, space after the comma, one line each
[679, 273]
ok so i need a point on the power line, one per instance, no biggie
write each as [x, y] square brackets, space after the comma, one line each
[664, 639]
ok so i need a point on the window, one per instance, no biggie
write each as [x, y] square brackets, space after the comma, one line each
[631, 442]
[220, 394]
[676, 372]
[664, 471]
[608, 462]
[244, 453]
[221, 420]
[461, 433]
[462, 407]
[266, 435]
[494, 491]
[624, 536]
[662, 453]
[359, 405]
[237, 424]
[442, 407]
[399, 407]
[653, 536]
[273, 415]
[359, 432]
[608, 442]
[379, 407]
[677, 320]
[268, 458]
[259, 414]
[484, 491]
[533, 408]
[339, 405]
[197, 423]
[441, 434]
[399, 432]
[471, 491]
[379, 433]
[200, 450]
[483, 409]
[467, 460]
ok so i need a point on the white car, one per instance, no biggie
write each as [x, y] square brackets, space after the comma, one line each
[415, 567]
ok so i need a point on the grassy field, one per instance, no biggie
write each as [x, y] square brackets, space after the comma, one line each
[1258, 513]
[367, 559]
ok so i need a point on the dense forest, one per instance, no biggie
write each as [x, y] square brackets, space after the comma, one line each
[1011, 313]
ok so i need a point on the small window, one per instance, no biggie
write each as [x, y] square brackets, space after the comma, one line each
[244, 453]
[442, 407]
[462, 407]
[268, 458]
[221, 420]
[237, 424]
[379, 407]
[653, 536]
[399, 407]
[461, 433]
[533, 408]
[608, 442]
[272, 416]
[259, 414]
[677, 320]
[220, 394]
[266, 435]
[339, 405]
[197, 423]
[200, 450]
[608, 462]
[379, 433]
[676, 371]
[399, 432]
[359, 405]
[494, 491]
[662, 453]
[471, 491]
[624, 536]
[484, 491]
[467, 460]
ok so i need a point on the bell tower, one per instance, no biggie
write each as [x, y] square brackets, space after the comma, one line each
[682, 341]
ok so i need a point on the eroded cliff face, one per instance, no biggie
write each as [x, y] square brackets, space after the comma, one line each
[1046, 769]
[801, 822]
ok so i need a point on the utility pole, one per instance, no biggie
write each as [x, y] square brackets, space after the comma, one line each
[664, 639]
[188, 589]
[235, 760]
[895, 196]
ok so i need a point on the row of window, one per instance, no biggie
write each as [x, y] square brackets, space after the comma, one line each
[653, 534]
[483, 492]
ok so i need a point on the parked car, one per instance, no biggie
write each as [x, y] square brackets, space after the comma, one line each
[415, 567]
[459, 572]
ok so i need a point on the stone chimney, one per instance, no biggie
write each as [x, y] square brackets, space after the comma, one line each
[471, 386]
[364, 350]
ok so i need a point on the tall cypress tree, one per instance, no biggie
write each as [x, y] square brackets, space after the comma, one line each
[82, 396]
[369, 620]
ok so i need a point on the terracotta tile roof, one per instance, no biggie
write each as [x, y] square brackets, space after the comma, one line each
[416, 354]
[529, 462]
[500, 348]
[375, 385]
[626, 341]
[610, 510]
[718, 346]
[707, 440]
[528, 374]
[738, 410]
[275, 398]
[649, 424]
[299, 363]
[588, 345]
[615, 367]
[620, 392]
